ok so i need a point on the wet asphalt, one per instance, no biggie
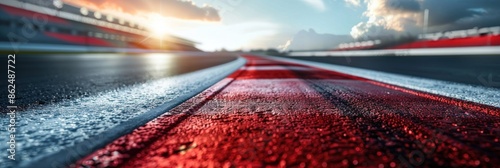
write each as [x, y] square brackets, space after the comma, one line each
[43, 79]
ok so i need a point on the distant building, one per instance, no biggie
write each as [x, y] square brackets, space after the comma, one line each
[57, 23]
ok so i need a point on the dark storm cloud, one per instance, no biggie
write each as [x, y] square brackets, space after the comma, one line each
[183, 9]
[403, 5]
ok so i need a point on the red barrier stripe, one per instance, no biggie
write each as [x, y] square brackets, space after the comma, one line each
[307, 118]
[76, 39]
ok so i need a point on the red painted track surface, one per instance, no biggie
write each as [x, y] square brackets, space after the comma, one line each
[277, 114]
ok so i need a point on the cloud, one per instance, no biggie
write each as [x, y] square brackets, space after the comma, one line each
[406, 16]
[371, 30]
[353, 2]
[402, 5]
[318, 4]
[310, 40]
[184, 9]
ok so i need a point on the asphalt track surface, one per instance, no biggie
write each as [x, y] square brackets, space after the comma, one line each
[120, 93]
[278, 114]
[43, 79]
[472, 69]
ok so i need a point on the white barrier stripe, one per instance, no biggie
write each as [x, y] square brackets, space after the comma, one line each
[485, 50]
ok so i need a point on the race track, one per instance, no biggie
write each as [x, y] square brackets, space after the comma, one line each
[281, 114]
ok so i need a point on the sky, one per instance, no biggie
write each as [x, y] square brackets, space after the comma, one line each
[251, 24]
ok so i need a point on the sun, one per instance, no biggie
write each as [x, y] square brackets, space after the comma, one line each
[158, 25]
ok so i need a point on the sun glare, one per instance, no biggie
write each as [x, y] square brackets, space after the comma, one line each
[158, 25]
